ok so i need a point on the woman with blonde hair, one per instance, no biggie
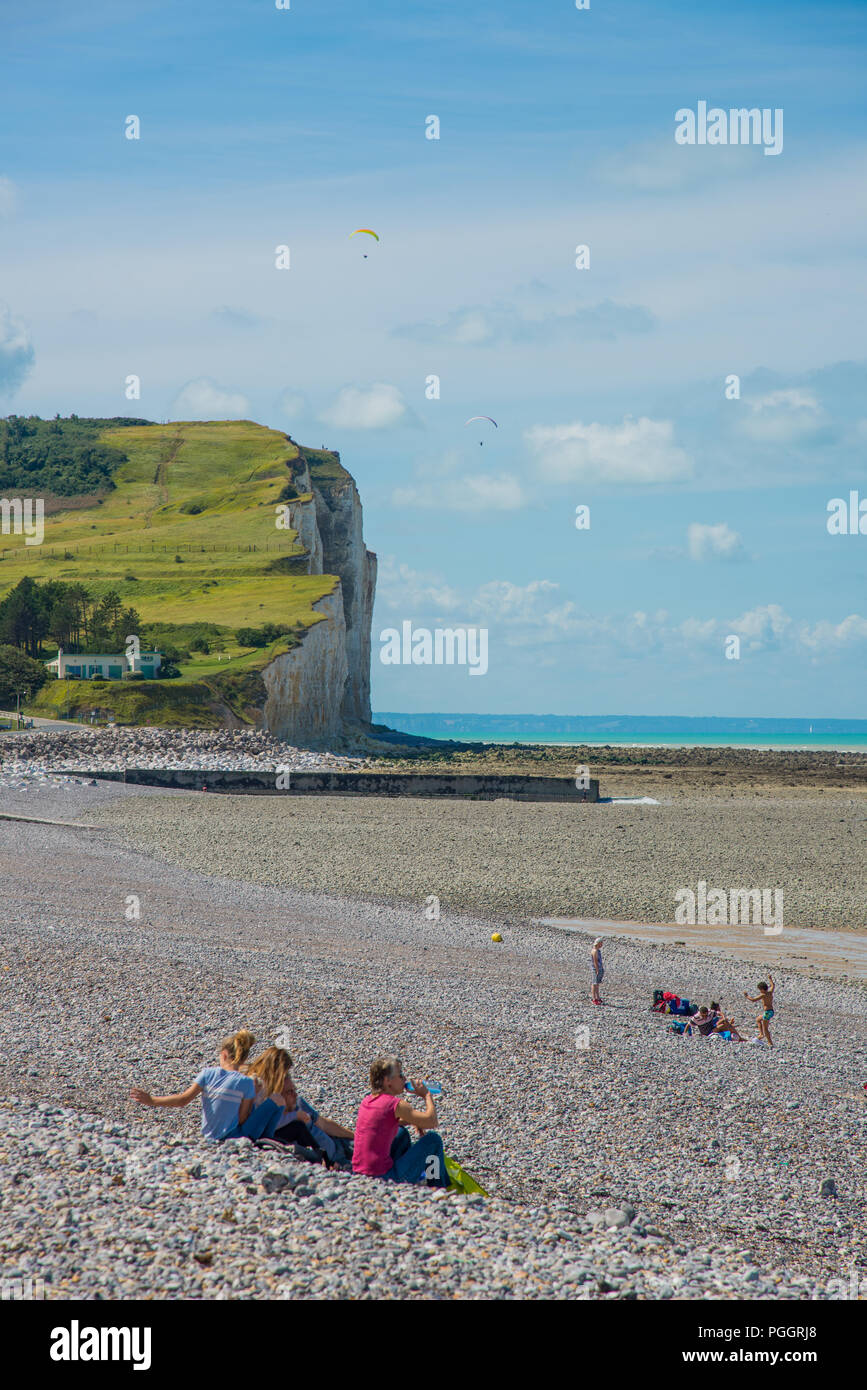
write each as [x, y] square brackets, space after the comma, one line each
[227, 1095]
[271, 1074]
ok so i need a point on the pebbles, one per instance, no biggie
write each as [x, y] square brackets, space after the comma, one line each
[39, 755]
[528, 859]
[129, 1221]
[706, 1183]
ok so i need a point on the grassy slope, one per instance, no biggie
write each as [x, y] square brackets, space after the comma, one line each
[235, 471]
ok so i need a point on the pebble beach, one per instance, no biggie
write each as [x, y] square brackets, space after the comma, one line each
[621, 1161]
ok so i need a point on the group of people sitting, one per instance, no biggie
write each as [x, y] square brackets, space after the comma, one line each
[710, 1022]
[706, 1021]
[259, 1101]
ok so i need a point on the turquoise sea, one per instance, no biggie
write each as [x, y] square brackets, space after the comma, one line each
[664, 731]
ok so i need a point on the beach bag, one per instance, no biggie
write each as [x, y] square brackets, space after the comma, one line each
[460, 1180]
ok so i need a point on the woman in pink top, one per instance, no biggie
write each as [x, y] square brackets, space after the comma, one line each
[382, 1149]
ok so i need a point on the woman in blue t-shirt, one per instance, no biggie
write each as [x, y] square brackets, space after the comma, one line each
[227, 1095]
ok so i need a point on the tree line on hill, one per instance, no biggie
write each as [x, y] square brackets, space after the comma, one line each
[60, 457]
[69, 614]
[73, 618]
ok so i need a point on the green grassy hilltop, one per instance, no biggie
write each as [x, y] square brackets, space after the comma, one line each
[182, 527]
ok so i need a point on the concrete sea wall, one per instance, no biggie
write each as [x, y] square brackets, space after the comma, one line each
[487, 788]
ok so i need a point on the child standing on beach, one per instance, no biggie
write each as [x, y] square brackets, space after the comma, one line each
[597, 970]
[765, 997]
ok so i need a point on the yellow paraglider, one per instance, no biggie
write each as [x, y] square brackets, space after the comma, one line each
[368, 231]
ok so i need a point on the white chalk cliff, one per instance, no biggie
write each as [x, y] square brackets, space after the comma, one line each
[320, 690]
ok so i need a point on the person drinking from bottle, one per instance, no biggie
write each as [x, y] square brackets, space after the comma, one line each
[383, 1148]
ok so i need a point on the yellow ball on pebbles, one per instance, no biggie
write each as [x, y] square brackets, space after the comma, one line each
[496, 936]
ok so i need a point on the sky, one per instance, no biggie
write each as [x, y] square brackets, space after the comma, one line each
[611, 384]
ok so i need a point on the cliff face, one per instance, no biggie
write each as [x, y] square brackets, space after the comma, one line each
[320, 691]
[305, 687]
[338, 517]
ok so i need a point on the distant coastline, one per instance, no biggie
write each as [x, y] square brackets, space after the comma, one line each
[673, 731]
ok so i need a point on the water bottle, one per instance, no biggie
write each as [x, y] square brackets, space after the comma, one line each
[434, 1089]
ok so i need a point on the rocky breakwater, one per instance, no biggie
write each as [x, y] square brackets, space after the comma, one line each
[320, 691]
[38, 755]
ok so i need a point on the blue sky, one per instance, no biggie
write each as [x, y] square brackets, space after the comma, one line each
[262, 127]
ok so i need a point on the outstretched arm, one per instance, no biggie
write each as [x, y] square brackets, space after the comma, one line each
[182, 1098]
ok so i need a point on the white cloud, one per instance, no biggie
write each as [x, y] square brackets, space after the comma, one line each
[398, 586]
[484, 325]
[636, 451]
[762, 627]
[717, 541]
[16, 352]
[203, 399]
[480, 492]
[509, 602]
[826, 635]
[783, 417]
[536, 615]
[661, 166]
[524, 611]
[694, 630]
[8, 197]
[293, 404]
[377, 408]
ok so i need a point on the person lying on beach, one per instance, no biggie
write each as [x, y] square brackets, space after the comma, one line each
[382, 1148]
[302, 1124]
[765, 997]
[227, 1095]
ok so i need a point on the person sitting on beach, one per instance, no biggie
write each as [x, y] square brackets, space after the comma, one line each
[703, 1020]
[765, 997]
[726, 1025]
[227, 1095]
[382, 1148]
[597, 970]
[270, 1072]
[302, 1124]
